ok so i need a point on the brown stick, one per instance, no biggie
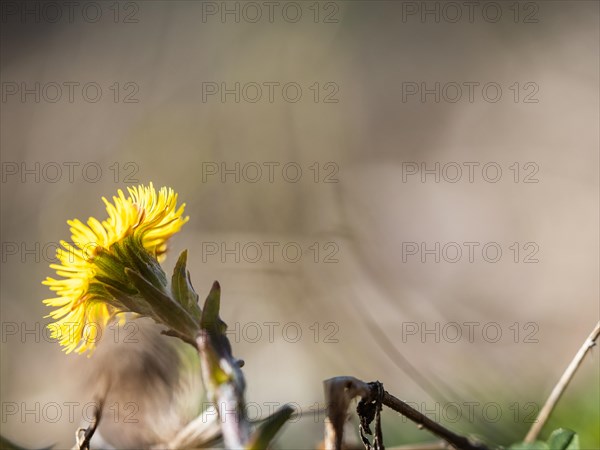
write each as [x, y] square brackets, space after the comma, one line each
[561, 386]
[456, 440]
[341, 390]
[83, 436]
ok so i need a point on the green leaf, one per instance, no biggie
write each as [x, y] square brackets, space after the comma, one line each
[123, 289]
[266, 431]
[210, 312]
[127, 302]
[144, 263]
[182, 289]
[537, 445]
[165, 310]
[112, 267]
[563, 439]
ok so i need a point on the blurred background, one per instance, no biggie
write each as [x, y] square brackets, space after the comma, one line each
[398, 191]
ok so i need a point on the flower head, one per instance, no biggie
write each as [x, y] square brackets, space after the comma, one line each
[94, 266]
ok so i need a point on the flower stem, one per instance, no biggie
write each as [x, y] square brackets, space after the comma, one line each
[225, 385]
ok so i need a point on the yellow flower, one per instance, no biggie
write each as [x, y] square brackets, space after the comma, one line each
[95, 261]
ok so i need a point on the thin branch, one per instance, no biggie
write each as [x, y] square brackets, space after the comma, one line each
[562, 385]
[83, 436]
[225, 385]
[456, 440]
[341, 390]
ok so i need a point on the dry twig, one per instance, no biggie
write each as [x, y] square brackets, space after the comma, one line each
[562, 384]
[84, 435]
[341, 390]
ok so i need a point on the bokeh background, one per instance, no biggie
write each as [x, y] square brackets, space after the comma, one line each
[357, 134]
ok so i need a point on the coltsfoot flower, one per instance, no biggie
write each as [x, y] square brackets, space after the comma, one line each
[96, 267]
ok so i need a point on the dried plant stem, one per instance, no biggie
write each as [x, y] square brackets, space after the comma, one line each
[225, 384]
[339, 391]
[84, 435]
[561, 386]
[456, 440]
